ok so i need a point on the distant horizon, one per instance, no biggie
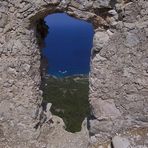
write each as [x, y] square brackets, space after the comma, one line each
[68, 45]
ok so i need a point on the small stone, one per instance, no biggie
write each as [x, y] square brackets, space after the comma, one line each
[12, 9]
[26, 67]
[100, 39]
[109, 32]
[93, 139]
[112, 12]
[105, 109]
[12, 71]
[131, 39]
[120, 142]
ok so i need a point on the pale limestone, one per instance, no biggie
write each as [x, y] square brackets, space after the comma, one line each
[118, 76]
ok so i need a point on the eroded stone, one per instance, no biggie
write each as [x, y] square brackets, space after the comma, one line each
[118, 77]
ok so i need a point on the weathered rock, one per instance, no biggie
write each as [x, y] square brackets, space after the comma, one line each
[120, 142]
[104, 109]
[112, 12]
[100, 39]
[131, 39]
[135, 138]
[102, 4]
[118, 76]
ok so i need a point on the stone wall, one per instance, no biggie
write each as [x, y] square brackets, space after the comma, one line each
[118, 77]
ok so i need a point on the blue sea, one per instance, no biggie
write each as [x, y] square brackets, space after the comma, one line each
[68, 45]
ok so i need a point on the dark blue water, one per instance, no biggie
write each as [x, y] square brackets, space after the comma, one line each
[68, 45]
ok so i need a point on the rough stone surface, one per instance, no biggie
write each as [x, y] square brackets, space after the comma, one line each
[100, 39]
[118, 77]
[135, 138]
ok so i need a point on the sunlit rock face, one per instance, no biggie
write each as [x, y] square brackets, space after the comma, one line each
[118, 77]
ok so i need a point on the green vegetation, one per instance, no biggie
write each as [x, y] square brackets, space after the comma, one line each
[69, 98]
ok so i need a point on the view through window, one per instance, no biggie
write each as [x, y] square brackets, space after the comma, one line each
[66, 59]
